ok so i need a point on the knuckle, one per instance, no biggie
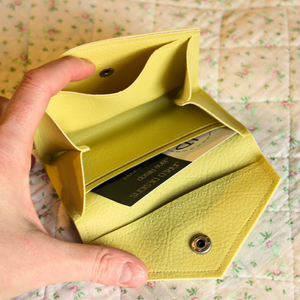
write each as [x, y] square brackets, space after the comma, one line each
[33, 79]
[102, 268]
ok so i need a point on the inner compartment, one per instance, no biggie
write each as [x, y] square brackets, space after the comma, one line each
[126, 128]
[137, 135]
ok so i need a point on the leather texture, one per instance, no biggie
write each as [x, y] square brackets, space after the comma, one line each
[101, 126]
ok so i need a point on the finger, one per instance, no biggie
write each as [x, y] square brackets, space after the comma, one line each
[3, 103]
[29, 102]
[104, 265]
[52, 261]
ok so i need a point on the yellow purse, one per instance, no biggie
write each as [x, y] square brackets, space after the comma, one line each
[143, 99]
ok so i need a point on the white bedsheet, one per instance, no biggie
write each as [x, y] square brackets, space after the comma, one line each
[249, 62]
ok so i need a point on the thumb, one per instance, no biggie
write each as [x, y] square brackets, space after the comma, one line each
[110, 266]
[77, 262]
[52, 261]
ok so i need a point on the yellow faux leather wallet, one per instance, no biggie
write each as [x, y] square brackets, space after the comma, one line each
[109, 145]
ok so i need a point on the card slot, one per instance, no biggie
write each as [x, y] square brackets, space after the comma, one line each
[134, 160]
[232, 155]
[137, 135]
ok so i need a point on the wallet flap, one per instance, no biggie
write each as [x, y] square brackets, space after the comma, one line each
[224, 210]
[127, 55]
[158, 77]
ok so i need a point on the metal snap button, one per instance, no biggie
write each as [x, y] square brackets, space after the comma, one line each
[106, 72]
[201, 244]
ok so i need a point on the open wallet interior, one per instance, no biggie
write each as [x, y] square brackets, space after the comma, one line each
[103, 126]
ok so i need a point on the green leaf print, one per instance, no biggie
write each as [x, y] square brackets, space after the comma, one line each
[268, 289]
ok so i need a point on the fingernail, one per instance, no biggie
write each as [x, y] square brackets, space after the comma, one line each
[132, 275]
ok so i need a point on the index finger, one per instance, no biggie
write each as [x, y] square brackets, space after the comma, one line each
[28, 104]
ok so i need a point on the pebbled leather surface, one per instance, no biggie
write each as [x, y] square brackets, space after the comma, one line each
[225, 210]
[95, 122]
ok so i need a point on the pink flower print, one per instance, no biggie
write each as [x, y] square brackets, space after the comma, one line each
[212, 93]
[45, 214]
[195, 298]
[179, 16]
[117, 27]
[289, 138]
[285, 103]
[251, 128]
[292, 173]
[276, 272]
[146, 7]
[51, 31]
[204, 32]
[51, 3]
[268, 45]
[233, 265]
[17, 3]
[22, 29]
[245, 72]
[45, 177]
[151, 284]
[269, 244]
[227, 15]
[276, 72]
[24, 56]
[248, 106]
[208, 59]
[85, 16]
[234, 37]
[74, 288]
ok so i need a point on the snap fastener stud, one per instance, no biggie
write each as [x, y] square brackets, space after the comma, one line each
[201, 244]
[106, 72]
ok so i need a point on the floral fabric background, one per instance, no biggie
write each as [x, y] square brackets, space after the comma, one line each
[249, 62]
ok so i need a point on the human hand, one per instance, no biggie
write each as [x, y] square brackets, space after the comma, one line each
[24, 243]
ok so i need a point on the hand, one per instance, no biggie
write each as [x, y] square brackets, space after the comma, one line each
[24, 243]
